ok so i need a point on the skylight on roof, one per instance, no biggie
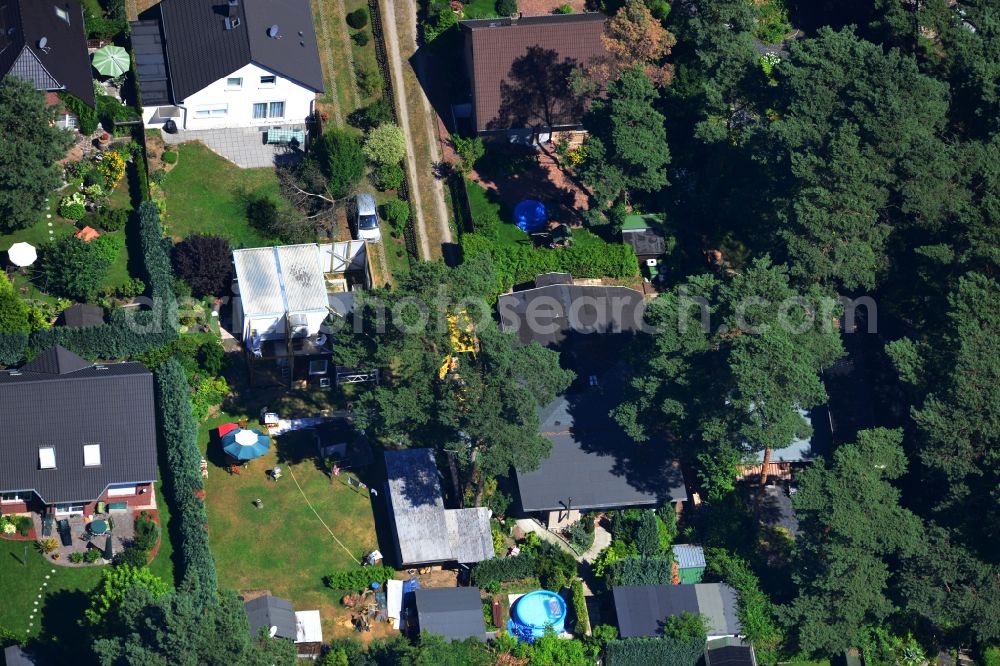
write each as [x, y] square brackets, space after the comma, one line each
[47, 458]
[91, 455]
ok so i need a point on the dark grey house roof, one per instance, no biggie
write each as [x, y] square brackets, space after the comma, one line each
[61, 62]
[266, 612]
[642, 610]
[454, 612]
[63, 402]
[593, 462]
[569, 308]
[201, 50]
[83, 314]
[729, 652]
[425, 531]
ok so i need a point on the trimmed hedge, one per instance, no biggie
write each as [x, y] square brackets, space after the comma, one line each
[503, 570]
[86, 115]
[179, 435]
[580, 609]
[128, 333]
[641, 571]
[755, 610]
[521, 263]
[645, 651]
[360, 578]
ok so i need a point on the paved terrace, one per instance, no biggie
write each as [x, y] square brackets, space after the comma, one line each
[243, 146]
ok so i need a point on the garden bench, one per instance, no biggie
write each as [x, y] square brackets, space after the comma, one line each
[286, 136]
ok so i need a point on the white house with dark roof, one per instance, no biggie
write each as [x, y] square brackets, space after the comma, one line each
[234, 63]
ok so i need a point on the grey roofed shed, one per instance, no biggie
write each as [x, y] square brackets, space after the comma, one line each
[689, 556]
[425, 531]
[83, 314]
[643, 609]
[266, 612]
[14, 656]
[453, 612]
[62, 402]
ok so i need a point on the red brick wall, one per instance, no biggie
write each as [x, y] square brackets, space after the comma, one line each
[13, 507]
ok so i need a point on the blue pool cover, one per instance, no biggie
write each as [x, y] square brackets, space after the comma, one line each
[534, 613]
[530, 215]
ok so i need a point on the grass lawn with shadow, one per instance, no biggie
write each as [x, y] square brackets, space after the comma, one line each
[62, 601]
[284, 547]
[207, 194]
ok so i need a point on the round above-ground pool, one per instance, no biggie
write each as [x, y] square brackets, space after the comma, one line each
[530, 216]
[535, 612]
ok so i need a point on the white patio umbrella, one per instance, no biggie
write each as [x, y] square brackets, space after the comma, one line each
[22, 254]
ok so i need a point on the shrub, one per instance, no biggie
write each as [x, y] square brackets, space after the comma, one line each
[563, 9]
[359, 578]
[130, 288]
[581, 534]
[112, 167]
[647, 536]
[755, 610]
[341, 160]
[388, 176]
[133, 557]
[169, 157]
[503, 570]
[23, 525]
[147, 532]
[369, 80]
[616, 551]
[75, 269]
[580, 608]
[208, 392]
[76, 557]
[46, 545]
[397, 213]
[641, 571]
[86, 116]
[73, 207]
[113, 219]
[991, 656]
[553, 566]
[469, 152]
[205, 262]
[506, 7]
[358, 18]
[360, 38]
[499, 539]
[385, 144]
[93, 554]
[643, 651]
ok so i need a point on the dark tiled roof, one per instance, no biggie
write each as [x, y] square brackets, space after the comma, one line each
[453, 612]
[200, 50]
[63, 63]
[594, 309]
[266, 612]
[516, 63]
[61, 401]
[643, 609]
[83, 314]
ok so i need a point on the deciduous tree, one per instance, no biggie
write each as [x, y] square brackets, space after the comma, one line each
[205, 263]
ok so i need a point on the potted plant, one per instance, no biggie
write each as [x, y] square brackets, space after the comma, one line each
[103, 139]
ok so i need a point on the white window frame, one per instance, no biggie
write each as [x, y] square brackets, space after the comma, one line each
[63, 14]
[69, 508]
[45, 453]
[267, 109]
[268, 84]
[91, 455]
[325, 366]
[211, 111]
[10, 498]
[234, 86]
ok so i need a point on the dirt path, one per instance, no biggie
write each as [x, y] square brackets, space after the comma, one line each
[430, 213]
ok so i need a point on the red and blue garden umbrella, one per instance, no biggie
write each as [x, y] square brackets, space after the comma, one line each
[244, 444]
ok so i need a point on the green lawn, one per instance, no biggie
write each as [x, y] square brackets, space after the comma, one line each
[63, 596]
[483, 203]
[477, 9]
[284, 547]
[163, 564]
[206, 194]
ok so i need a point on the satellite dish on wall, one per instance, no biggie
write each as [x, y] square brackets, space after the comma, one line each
[272, 32]
[43, 42]
[272, 632]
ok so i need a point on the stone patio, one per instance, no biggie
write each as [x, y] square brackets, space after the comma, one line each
[123, 531]
[243, 146]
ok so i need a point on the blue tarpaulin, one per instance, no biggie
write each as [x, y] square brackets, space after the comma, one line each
[530, 215]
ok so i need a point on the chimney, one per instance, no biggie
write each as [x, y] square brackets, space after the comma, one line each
[234, 6]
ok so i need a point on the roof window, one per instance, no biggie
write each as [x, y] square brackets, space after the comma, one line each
[91, 455]
[47, 458]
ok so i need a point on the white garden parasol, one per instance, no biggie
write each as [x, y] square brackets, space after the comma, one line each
[22, 254]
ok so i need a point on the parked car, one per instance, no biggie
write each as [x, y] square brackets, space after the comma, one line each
[366, 219]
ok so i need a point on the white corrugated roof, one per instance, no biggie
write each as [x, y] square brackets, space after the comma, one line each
[307, 627]
[343, 256]
[286, 278]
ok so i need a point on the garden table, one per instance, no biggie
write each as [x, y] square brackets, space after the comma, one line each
[98, 527]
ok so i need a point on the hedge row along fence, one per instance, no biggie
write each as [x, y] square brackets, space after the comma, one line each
[355, 580]
[521, 263]
[503, 570]
[645, 651]
[182, 481]
[129, 332]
